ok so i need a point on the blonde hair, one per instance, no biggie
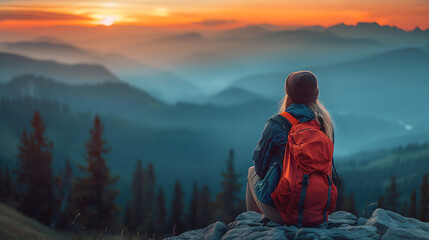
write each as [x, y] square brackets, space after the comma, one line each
[320, 114]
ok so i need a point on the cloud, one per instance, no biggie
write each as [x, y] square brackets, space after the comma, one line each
[214, 22]
[161, 12]
[38, 15]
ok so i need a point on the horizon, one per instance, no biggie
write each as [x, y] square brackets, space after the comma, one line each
[219, 15]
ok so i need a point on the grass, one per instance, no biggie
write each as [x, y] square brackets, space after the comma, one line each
[16, 226]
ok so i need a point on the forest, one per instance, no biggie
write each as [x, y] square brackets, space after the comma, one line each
[86, 201]
[82, 200]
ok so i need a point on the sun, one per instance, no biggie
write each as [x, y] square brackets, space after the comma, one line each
[108, 20]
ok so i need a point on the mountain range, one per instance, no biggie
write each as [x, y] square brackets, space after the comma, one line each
[12, 65]
[373, 85]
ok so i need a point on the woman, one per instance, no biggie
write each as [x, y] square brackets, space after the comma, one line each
[301, 102]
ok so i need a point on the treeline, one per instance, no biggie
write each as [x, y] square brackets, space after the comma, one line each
[85, 202]
[415, 207]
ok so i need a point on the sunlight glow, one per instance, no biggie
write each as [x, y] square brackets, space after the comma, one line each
[108, 20]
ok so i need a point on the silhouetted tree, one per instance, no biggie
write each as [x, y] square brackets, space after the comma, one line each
[380, 202]
[138, 199]
[64, 187]
[1, 183]
[350, 205]
[404, 209]
[194, 207]
[6, 186]
[392, 195]
[34, 173]
[177, 221]
[424, 199]
[205, 216]
[93, 194]
[412, 211]
[161, 213]
[128, 221]
[228, 199]
[150, 198]
[340, 197]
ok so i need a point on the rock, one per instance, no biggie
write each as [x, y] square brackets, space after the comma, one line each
[213, 231]
[260, 232]
[249, 215]
[361, 221]
[346, 232]
[405, 233]
[341, 217]
[249, 219]
[384, 219]
[383, 224]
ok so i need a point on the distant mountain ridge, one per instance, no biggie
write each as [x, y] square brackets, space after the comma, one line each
[386, 34]
[115, 98]
[234, 96]
[249, 31]
[12, 65]
[47, 48]
[187, 36]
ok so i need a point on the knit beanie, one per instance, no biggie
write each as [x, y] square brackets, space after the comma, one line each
[302, 87]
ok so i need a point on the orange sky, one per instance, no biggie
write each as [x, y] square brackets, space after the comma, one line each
[218, 14]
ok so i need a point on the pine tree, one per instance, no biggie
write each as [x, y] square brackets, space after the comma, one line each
[6, 186]
[424, 199]
[194, 207]
[128, 219]
[412, 211]
[392, 195]
[228, 198]
[161, 213]
[64, 191]
[177, 221]
[34, 174]
[351, 206]
[1, 183]
[138, 201]
[380, 202]
[205, 216]
[150, 198]
[340, 197]
[94, 193]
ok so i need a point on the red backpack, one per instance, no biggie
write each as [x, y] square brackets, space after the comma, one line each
[305, 194]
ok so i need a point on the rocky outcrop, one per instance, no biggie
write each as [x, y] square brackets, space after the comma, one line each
[383, 224]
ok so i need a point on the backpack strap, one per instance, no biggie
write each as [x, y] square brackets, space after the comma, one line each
[302, 200]
[328, 202]
[290, 118]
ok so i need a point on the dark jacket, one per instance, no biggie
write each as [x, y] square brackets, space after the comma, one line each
[270, 150]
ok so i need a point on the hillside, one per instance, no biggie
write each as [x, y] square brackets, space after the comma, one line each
[368, 175]
[12, 65]
[233, 96]
[110, 98]
[15, 226]
[166, 86]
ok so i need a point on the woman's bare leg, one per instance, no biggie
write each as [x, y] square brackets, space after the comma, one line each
[250, 201]
[269, 211]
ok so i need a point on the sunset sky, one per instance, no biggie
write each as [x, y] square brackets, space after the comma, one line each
[212, 14]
